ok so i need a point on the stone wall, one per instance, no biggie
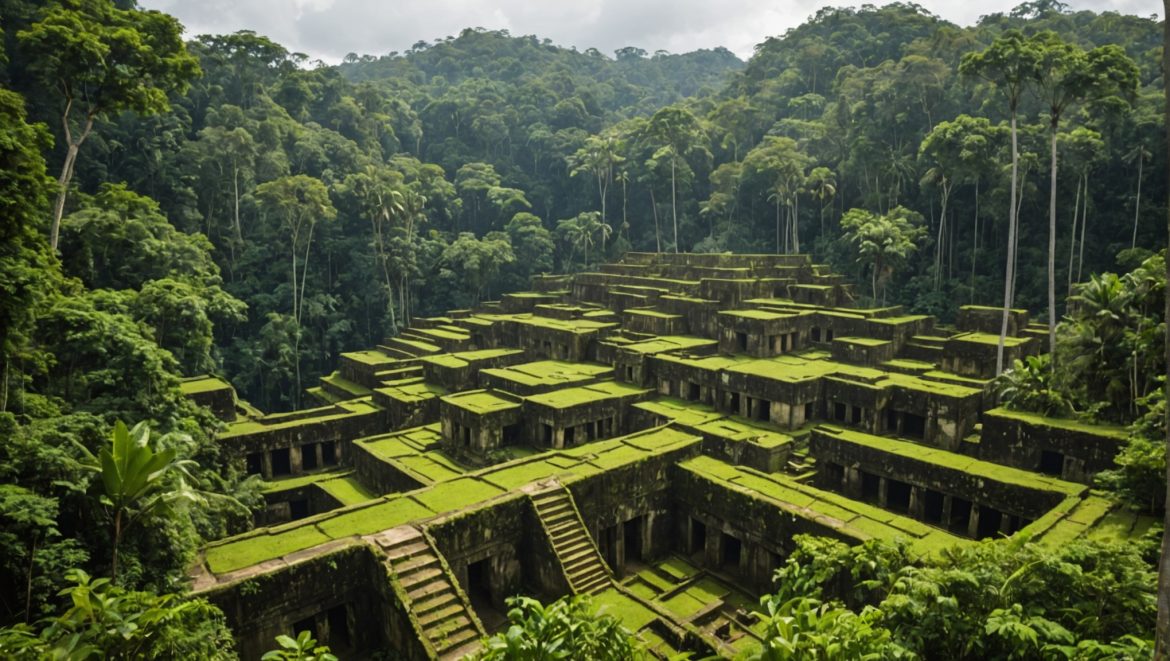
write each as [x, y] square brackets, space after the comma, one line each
[1074, 451]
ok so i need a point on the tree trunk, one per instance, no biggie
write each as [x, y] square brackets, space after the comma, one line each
[1137, 205]
[777, 224]
[1072, 244]
[673, 204]
[796, 224]
[1009, 275]
[67, 171]
[657, 233]
[236, 210]
[28, 576]
[117, 541]
[1084, 224]
[975, 241]
[1052, 246]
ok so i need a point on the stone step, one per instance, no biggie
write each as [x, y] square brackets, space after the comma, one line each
[435, 601]
[420, 576]
[440, 633]
[594, 585]
[548, 496]
[562, 524]
[462, 652]
[456, 640]
[581, 565]
[571, 557]
[556, 509]
[438, 614]
[415, 563]
[408, 549]
[567, 534]
[429, 589]
[574, 547]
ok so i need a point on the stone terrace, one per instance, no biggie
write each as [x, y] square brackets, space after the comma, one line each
[654, 434]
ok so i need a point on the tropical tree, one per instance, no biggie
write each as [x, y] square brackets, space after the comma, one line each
[1010, 63]
[676, 134]
[299, 201]
[883, 242]
[135, 481]
[778, 161]
[600, 155]
[1065, 75]
[102, 60]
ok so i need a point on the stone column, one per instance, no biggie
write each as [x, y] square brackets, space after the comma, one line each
[266, 464]
[973, 524]
[917, 502]
[883, 492]
[295, 465]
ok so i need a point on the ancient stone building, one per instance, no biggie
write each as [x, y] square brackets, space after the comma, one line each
[653, 434]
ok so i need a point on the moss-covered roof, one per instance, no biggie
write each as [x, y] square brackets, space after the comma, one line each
[569, 397]
[953, 461]
[1115, 432]
[372, 357]
[273, 422]
[411, 390]
[665, 343]
[848, 517]
[988, 338]
[549, 372]
[471, 489]
[482, 401]
[201, 384]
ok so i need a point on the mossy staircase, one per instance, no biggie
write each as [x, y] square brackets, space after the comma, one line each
[443, 615]
[570, 539]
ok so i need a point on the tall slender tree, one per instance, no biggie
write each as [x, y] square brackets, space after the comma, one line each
[1010, 64]
[103, 60]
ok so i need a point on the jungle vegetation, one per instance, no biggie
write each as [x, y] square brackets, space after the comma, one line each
[222, 204]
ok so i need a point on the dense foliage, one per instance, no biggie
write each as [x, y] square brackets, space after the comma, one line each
[994, 600]
[226, 205]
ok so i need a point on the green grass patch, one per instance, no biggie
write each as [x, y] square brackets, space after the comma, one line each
[254, 550]
[684, 605]
[347, 490]
[457, 494]
[373, 517]
[298, 481]
[633, 614]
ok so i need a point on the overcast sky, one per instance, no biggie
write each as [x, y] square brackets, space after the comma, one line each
[328, 29]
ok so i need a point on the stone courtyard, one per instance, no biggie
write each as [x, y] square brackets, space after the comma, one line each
[653, 434]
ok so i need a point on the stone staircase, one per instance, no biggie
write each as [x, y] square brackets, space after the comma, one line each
[584, 568]
[448, 626]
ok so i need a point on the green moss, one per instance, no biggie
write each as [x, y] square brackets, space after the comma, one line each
[253, 550]
[457, 494]
[549, 372]
[347, 490]
[373, 517]
[341, 383]
[950, 460]
[1108, 431]
[678, 567]
[687, 413]
[298, 481]
[684, 605]
[482, 401]
[201, 384]
[988, 339]
[520, 474]
[373, 358]
[642, 589]
[759, 315]
[633, 614]
[862, 341]
[569, 397]
[430, 467]
[668, 343]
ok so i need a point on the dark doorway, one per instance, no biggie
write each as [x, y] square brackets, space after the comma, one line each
[607, 541]
[733, 402]
[840, 412]
[698, 536]
[741, 341]
[546, 435]
[298, 509]
[816, 334]
[810, 411]
[339, 639]
[870, 487]
[255, 463]
[308, 624]
[989, 522]
[280, 462]
[570, 434]
[857, 413]
[932, 509]
[329, 453]
[309, 456]
[1051, 463]
[633, 538]
[512, 434]
[913, 426]
[897, 496]
[732, 551]
[960, 515]
[763, 409]
[479, 586]
[693, 392]
[891, 421]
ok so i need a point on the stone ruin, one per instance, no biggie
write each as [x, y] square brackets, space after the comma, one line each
[653, 434]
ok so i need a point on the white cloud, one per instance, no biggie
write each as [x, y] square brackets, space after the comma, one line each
[328, 29]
